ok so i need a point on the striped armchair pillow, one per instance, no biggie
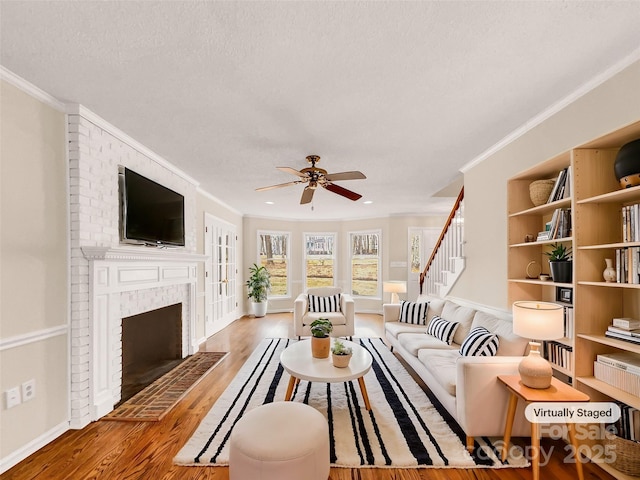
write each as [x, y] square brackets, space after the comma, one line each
[324, 304]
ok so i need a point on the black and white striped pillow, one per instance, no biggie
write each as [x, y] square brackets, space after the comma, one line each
[442, 329]
[324, 304]
[413, 313]
[480, 343]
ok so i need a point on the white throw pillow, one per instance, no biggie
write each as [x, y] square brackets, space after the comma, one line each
[479, 343]
[442, 329]
[413, 312]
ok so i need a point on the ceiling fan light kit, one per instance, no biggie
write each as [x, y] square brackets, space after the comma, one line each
[314, 177]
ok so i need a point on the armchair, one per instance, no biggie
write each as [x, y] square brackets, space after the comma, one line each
[343, 320]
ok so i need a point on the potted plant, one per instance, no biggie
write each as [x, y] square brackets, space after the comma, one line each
[258, 284]
[341, 354]
[560, 263]
[320, 340]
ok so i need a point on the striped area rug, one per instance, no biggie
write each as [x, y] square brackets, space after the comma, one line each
[403, 428]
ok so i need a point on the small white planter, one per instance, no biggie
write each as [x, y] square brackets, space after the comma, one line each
[259, 308]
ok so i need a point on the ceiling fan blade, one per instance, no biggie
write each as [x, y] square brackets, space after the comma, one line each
[293, 171]
[342, 191]
[307, 195]
[271, 187]
[355, 175]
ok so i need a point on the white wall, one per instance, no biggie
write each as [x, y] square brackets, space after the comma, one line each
[612, 105]
[34, 267]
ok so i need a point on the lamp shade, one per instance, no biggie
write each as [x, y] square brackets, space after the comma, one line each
[538, 320]
[394, 286]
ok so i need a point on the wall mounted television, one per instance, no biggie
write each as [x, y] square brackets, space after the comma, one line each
[150, 213]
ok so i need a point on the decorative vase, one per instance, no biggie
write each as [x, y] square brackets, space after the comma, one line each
[561, 272]
[627, 164]
[609, 273]
[320, 347]
[341, 361]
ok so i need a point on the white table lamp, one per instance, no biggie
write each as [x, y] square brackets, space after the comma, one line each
[394, 287]
[539, 321]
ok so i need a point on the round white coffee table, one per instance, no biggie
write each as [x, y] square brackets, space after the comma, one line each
[297, 360]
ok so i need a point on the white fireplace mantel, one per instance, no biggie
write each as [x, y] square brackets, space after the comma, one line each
[142, 254]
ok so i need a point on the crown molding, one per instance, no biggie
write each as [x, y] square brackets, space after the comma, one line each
[556, 107]
[30, 89]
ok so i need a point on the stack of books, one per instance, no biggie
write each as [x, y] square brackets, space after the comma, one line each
[559, 354]
[628, 265]
[620, 370]
[628, 426]
[558, 227]
[562, 187]
[627, 329]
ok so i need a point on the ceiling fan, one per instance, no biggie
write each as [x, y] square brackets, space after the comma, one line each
[314, 177]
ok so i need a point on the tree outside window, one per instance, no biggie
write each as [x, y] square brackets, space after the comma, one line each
[319, 259]
[274, 256]
[365, 264]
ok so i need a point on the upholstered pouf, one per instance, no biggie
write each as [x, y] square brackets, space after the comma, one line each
[280, 441]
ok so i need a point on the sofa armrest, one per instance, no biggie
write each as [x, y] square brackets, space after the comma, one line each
[481, 399]
[391, 312]
[299, 309]
[348, 308]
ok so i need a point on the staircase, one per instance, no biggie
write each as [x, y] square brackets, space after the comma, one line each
[447, 261]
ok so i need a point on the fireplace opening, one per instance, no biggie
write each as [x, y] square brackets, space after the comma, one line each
[151, 346]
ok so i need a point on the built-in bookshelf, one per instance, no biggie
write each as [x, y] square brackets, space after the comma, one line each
[600, 228]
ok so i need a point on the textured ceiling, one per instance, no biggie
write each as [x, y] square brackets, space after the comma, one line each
[406, 92]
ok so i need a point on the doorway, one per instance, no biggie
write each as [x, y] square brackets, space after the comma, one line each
[422, 240]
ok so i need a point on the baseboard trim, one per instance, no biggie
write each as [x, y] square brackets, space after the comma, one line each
[33, 446]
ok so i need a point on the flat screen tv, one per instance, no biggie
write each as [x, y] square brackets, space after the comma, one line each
[150, 214]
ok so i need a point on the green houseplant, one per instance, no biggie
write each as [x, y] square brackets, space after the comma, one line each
[320, 340]
[341, 354]
[560, 263]
[258, 286]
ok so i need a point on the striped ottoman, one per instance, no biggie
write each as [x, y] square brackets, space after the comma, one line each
[280, 441]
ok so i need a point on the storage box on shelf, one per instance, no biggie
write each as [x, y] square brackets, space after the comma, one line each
[597, 203]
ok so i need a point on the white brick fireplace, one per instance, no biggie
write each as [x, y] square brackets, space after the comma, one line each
[110, 281]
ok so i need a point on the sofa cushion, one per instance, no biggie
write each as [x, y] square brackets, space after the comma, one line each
[479, 343]
[442, 366]
[413, 312]
[435, 308]
[442, 329]
[336, 318]
[414, 342]
[458, 314]
[396, 328]
[324, 304]
[510, 344]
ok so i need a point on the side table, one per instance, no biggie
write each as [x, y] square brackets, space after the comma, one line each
[557, 392]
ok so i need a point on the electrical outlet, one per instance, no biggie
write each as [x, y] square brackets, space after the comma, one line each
[28, 390]
[12, 397]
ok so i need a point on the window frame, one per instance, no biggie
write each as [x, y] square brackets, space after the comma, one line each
[378, 232]
[260, 233]
[334, 256]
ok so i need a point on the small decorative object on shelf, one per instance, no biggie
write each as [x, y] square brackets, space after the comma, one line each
[341, 354]
[609, 273]
[539, 191]
[627, 164]
[560, 263]
[320, 340]
[533, 269]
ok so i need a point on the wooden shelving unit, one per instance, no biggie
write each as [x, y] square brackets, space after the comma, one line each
[596, 204]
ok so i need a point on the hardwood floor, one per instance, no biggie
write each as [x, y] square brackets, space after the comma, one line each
[126, 450]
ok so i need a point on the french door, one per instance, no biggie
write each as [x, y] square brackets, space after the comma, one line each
[221, 274]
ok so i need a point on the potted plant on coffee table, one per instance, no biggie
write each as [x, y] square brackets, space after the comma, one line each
[560, 263]
[320, 340]
[341, 354]
[258, 284]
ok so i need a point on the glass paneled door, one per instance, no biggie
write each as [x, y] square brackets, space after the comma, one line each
[221, 273]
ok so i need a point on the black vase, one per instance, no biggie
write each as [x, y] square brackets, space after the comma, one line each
[627, 164]
[561, 272]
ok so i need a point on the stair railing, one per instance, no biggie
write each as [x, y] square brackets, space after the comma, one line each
[449, 246]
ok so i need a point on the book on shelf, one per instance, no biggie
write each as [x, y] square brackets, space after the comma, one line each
[561, 189]
[624, 331]
[628, 361]
[616, 377]
[559, 354]
[622, 336]
[628, 425]
[568, 322]
[628, 265]
[631, 223]
[626, 323]
[560, 224]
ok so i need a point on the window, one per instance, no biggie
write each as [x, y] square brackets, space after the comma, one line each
[273, 252]
[319, 259]
[365, 264]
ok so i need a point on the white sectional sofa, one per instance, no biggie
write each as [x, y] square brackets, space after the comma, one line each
[467, 386]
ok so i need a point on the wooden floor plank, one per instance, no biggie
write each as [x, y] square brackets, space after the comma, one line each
[127, 450]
